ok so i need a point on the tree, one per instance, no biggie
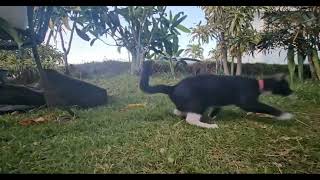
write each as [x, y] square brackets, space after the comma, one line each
[242, 36]
[229, 26]
[194, 51]
[216, 55]
[217, 22]
[295, 29]
[142, 29]
[59, 22]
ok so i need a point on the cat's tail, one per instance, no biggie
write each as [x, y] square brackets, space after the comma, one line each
[144, 81]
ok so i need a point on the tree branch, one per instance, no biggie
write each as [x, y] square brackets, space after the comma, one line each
[71, 37]
[62, 41]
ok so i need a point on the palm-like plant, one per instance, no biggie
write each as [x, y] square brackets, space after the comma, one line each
[194, 51]
[215, 54]
[242, 36]
[226, 25]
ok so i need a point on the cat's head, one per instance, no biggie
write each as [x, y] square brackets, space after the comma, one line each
[278, 85]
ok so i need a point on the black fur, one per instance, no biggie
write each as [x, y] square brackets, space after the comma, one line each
[196, 94]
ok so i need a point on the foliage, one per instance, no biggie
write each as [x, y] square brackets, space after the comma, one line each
[141, 29]
[18, 61]
[231, 26]
[287, 26]
[194, 51]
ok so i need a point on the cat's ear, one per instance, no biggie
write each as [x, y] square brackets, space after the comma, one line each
[280, 76]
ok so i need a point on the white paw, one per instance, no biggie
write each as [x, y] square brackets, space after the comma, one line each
[285, 116]
[212, 126]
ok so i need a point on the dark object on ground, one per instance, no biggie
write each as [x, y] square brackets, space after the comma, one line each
[13, 108]
[71, 92]
[11, 94]
[76, 92]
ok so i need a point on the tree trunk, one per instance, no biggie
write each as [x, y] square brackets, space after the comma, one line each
[239, 62]
[65, 50]
[301, 58]
[66, 65]
[172, 68]
[217, 66]
[291, 63]
[133, 63]
[315, 60]
[49, 93]
[129, 56]
[312, 70]
[137, 60]
[224, 54]
[49, 38]
[232, 66]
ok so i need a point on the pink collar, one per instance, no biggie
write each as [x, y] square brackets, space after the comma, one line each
[261, 84]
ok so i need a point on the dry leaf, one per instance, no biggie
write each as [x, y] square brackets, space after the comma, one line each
[131, 106]
[39, 120]
[26, 122]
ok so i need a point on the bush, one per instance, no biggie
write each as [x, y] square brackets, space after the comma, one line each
[112, 68]
[21, 65]
[108, 68]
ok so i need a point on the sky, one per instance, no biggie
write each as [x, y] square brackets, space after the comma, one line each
[82, 52]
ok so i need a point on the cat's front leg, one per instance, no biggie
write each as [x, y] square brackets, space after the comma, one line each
[266, 109]
[194, 119]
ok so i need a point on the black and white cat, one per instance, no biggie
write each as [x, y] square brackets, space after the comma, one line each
[193, 95]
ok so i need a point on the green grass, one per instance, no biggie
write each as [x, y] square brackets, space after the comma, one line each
[151, 140]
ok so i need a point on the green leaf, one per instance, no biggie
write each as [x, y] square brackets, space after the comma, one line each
[177, 16]
[176, 23]
[180, 51]
[5, 26]
[92, 41]
[183, 28]
[82, 35]
[119, 49]
[170, 36]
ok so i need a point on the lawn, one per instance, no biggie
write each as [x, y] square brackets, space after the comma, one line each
[149, 139]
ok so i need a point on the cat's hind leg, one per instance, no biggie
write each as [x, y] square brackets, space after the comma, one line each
[194, 119]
